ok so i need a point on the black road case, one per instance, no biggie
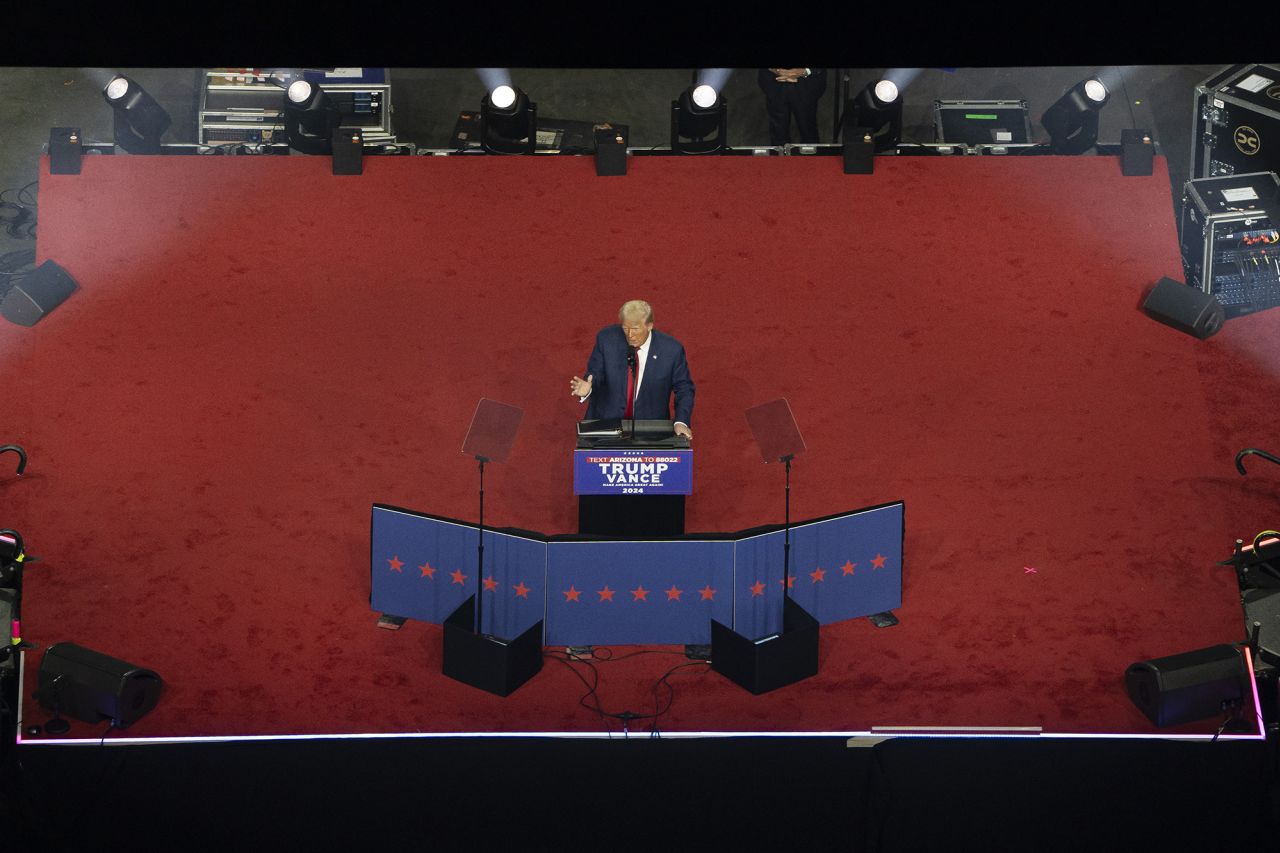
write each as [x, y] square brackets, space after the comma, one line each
[1236, 123]
[1230, 246]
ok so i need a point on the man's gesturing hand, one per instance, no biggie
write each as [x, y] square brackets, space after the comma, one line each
[580, 387]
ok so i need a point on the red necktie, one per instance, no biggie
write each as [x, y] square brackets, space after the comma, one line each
[631, 383]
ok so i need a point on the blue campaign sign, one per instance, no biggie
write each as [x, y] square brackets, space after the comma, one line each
[612, 471]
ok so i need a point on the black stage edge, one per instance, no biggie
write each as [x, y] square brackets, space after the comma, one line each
[921, 794]
[488, 663]
[769, 663]
[631, 516]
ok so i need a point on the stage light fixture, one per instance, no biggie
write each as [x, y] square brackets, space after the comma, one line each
[503, 97]
[139, 120]
[878, 108]
[508, 121]
[699, 121]
[310, 117]
[1072, 121]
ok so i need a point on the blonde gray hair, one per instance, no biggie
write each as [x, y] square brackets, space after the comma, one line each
[636, 309]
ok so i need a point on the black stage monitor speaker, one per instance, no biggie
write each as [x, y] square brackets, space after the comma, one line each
[611, 152]
[1190, 686]
[36, 294]
[1185, 308]
[90, 686]
[859, 148]
[348, 151]
[64, 151]
[1137, 153]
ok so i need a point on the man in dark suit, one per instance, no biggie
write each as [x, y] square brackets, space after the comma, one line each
[792, 92]
[634, 370]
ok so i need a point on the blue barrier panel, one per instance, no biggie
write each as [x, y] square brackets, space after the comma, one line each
[841, 568]
[601, 593]
[424, 568]
[666, 592]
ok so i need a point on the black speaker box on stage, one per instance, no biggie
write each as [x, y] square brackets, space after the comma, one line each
[90, 686]
[348, 151]
[1137, 154]
[859, 151]
[64, 151]
[491, 664]
[772, 662]
[36, 294]
[1185, 308]
[611, 152]
[1190, 686]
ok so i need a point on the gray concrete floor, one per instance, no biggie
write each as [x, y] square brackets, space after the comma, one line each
[426, 103]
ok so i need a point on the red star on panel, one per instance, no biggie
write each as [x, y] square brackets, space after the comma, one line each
[818, 574]
[395, 563]
[572, 594]
[522, 591]
[673, 594]
[878, 562]
[848, 567]
[605, 594]
[757, 589]
[708, 594]
[427, 571]
[458, 577]
[791, 581]
[640, 594]
[490, 585]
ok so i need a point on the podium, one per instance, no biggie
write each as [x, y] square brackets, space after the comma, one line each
[631, 478]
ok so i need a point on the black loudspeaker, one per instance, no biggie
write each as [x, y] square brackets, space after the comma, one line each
[1190, 686]
[64, 151]
[859, 151]
[1137, 153]
[611, 152]
[36, 294]
[348, 151]
[771, 662]
[489, 663]
[89, 686]
[1185, 308]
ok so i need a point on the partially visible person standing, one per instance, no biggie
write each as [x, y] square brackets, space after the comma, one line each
[792, 92]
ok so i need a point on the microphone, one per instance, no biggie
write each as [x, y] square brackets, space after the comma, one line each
[631, 358]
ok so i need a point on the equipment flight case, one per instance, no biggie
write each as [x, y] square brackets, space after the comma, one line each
[1230, 246]
[1236, 123]
[974, 123]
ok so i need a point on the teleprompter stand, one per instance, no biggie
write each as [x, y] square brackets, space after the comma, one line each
[774, 661]
[472, 656]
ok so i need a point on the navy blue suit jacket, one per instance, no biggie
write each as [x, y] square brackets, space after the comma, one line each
[666, 372]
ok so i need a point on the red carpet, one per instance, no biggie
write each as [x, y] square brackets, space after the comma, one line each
[260, 350]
